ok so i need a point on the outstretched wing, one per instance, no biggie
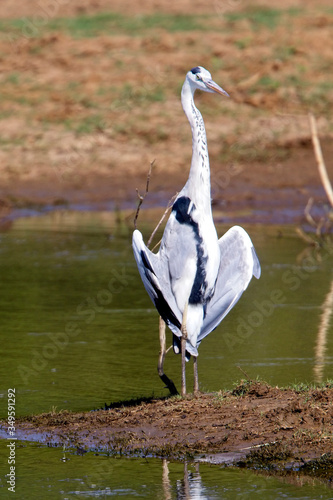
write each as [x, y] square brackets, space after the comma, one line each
[154, 273]
[239, 262]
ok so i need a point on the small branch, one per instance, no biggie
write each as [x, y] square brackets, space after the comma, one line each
[168, 208]
[306, 237]
[244, 373]
[157, 245]
[320, 226]
[141, 198]
[320, 160]
[307, 214]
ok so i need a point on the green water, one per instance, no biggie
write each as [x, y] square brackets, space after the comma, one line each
[53, 474]
[78, 330]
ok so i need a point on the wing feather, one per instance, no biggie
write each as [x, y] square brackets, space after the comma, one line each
[155, 277]
[238, 264]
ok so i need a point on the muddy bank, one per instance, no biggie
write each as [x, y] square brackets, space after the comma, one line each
[91, 97]
[247, 193]
[254, 425]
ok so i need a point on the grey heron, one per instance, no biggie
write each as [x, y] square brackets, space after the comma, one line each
[195, 279]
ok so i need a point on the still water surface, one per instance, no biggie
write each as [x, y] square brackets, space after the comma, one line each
[78, 330]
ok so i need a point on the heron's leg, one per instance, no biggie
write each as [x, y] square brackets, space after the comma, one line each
[183, 349]
[196, 379]
[168, 382]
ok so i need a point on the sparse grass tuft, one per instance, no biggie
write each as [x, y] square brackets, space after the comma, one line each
[284, 53]
[13, 78]
[310, 386]
[111, 23]
[87, 125]
[248, 386]
[141, 95]
[243, 43]
[258, 17]
[268, 83]
[300, 386]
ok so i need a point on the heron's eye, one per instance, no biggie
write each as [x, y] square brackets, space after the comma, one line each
[199, 77]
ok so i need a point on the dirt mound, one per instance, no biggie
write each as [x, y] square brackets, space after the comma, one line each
[254, 423]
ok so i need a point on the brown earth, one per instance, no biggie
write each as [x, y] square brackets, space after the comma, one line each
[84, 113]
[255, 425]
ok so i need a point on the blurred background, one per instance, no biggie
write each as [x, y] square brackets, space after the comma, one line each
[90, 95]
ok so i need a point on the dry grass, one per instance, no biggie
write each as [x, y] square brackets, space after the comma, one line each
[91, 97]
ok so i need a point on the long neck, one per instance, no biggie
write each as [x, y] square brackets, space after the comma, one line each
[198, 183]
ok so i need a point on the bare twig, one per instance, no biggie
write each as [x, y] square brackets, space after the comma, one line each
[320, 160]
[307, 214]
[157, 245]
[324, 224]
[168, 208]
[244, 373]
[306, 237]
[320, 226]
[141, 198]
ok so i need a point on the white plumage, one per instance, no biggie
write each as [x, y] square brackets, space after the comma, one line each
[195, 278]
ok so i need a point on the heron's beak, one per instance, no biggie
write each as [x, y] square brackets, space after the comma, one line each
[215, 88]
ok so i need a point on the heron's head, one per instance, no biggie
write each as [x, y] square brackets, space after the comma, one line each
[200, 78]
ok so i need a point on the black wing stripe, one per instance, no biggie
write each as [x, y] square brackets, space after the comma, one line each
[161, 304]
[146, 262]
